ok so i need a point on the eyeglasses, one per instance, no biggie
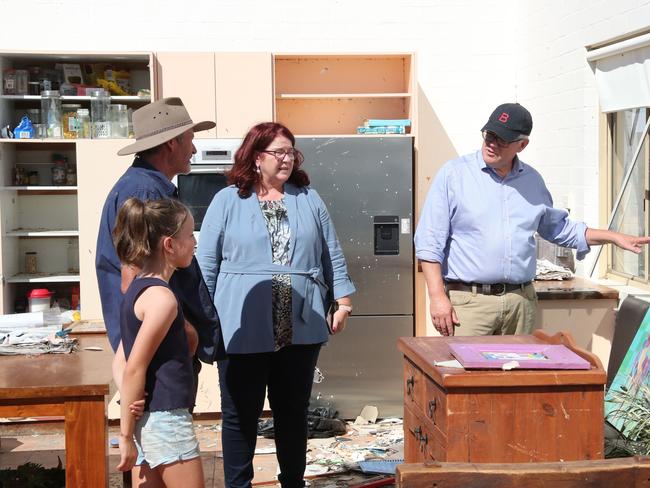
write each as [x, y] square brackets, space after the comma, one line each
[491, 138]
[280, 154]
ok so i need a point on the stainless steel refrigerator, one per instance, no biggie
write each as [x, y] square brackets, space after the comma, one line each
[367, 184]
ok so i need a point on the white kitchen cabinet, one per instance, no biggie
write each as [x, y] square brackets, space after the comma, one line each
[233, 89]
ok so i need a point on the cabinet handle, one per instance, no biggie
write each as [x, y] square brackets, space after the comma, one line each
[409, 385]
[432, 408]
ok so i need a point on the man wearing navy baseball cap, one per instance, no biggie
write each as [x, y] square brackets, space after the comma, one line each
[475, 238]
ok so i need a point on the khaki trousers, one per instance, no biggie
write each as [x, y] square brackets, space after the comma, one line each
[510, 313]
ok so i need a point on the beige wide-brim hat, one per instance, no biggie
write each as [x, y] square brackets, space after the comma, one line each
[159, 122]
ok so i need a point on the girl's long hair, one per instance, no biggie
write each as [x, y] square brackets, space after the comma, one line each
[141, 225]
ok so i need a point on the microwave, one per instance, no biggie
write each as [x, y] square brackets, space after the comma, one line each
[207, 176]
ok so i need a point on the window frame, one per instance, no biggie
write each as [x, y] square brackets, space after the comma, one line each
[607, 268]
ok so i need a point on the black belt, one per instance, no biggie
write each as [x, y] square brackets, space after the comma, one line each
[493, 289]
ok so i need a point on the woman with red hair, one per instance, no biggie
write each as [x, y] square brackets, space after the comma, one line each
[272, 263]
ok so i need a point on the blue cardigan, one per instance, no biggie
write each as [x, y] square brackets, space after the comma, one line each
[234, 254]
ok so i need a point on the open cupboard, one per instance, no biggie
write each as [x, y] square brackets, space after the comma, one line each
[332, 94]
[40, 213]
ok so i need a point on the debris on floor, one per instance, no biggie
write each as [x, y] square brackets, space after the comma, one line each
[321, 422]
[383, 441]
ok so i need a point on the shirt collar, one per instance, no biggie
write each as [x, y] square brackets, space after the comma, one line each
[517, 166]
[169, 187]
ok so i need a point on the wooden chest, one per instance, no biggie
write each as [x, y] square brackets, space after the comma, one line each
[494, 416]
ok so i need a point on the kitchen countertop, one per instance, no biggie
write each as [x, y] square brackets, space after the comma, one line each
[575, 289]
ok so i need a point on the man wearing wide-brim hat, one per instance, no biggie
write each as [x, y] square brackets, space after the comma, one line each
[163, 148]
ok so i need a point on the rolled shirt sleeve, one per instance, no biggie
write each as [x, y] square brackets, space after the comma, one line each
[556, 227]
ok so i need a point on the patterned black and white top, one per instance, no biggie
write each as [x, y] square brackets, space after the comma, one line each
[277, 223]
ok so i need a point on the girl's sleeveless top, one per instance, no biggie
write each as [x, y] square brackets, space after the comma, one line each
[170, 378]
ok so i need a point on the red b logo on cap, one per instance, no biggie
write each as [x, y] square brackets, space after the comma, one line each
[504, 117]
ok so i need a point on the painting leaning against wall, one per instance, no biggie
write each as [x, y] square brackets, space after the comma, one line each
[627, 402]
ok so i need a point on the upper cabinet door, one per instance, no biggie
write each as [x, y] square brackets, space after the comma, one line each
[190, 76]
[244, 86]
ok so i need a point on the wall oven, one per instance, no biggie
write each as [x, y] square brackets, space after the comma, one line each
[213, 158]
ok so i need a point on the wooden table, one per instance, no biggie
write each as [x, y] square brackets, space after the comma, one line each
[70, 385]
[494, 416]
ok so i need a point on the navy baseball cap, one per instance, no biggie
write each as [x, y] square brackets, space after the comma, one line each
[509, 121]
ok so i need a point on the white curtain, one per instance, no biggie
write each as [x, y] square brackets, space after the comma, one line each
[623, 74]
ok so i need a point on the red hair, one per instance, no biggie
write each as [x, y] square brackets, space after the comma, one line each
[243, 173]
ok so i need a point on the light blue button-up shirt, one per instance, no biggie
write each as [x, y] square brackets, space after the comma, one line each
[480, 227]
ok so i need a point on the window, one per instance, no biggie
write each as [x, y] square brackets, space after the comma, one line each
[622, 71]
[632, 215]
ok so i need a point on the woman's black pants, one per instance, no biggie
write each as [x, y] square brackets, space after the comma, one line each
[243, 380]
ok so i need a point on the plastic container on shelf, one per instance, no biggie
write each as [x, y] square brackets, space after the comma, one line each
[51, 113]
[39, 299]
[100, 101]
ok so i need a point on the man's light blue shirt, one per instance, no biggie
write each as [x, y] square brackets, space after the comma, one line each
[480, 227]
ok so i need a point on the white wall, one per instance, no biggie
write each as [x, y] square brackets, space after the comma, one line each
[555, 82]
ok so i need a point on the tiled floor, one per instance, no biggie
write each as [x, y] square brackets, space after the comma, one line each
[43, 443]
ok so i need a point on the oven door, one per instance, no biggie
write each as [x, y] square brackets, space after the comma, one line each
[197, 189]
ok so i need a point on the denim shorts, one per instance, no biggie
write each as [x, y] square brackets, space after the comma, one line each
[166, 437]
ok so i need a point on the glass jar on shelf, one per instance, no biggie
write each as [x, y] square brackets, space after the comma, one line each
[33, 88]
[32, 178]
[51, 113]
[70, 174]
[20, 176]
[69, 120]
[34, 115]
[119, 121]
[31, 262]
[22, 79]
[59, 169]
[9, 81]
[100, 101]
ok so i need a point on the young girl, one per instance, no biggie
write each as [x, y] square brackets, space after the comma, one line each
[157, 237]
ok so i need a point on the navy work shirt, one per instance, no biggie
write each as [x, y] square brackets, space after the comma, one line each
[145, 182]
